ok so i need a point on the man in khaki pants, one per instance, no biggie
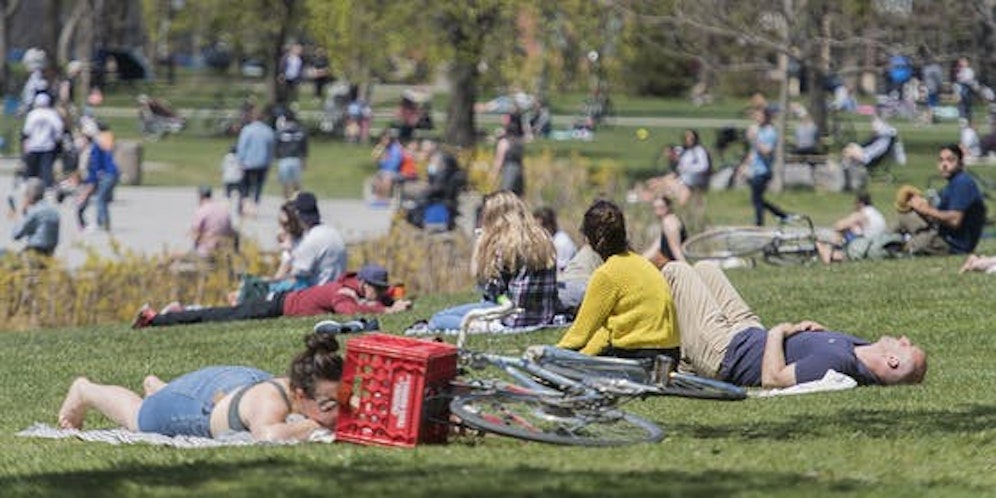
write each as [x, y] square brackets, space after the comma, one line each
[722, 338]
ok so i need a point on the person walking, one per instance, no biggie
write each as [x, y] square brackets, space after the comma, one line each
[255, 153]
[763, 142]
[291, 152]
[41, 135]
[102, 175]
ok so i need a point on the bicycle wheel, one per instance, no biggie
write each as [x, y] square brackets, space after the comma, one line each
[693, 386]
[530, 417]
[728, 243]
[794, 243]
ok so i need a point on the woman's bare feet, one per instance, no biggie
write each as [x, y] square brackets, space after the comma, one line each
[969, 264]
[73, 410]
[152, 384]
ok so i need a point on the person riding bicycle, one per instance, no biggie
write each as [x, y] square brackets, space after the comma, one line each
[723, 339]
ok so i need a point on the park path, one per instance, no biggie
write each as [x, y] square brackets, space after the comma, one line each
[149, 220]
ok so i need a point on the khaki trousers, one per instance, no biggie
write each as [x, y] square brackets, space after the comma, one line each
[710, 312]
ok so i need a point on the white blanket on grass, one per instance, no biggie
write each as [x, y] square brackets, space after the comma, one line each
[831, 381]
[123, 436]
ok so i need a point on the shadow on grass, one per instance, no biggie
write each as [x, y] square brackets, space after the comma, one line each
[381, 477]
[868, 422]
[343, 470]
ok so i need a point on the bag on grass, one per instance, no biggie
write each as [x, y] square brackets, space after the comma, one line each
[252, 287]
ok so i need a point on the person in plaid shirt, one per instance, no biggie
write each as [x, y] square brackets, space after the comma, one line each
[514, 257]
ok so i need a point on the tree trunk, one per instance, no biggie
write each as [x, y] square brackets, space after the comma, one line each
[460, 123]
[50, 30]
[7, 10]
[778, 178]
[87, 35]
[68, 32]
[287, 22]
[819, 70]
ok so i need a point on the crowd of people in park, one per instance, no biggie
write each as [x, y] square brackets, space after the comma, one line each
[617, 300]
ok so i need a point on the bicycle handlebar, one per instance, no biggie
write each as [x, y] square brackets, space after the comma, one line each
[504, 308]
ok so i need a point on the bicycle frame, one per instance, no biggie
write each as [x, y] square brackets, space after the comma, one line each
[531, 374]
[564, 397]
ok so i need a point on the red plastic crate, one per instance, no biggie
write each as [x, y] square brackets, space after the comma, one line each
[392, 385]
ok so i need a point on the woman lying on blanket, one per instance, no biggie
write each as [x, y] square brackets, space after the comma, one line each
[217, 400]
[627, 308]
[513, 256]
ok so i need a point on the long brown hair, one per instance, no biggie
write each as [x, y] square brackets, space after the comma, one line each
[511, 239]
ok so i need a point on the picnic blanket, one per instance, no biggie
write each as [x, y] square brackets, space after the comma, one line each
[831, 381]
[120, 436]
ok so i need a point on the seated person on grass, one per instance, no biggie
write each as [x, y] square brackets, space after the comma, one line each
[666, 247]
[955, 224]
[573, 280]
[211, 229]
[859, 227]
[317, 258]
[38, 219]
[513, 257]
[723, 339]
[366, 291]
[627, 310]
[219, 400]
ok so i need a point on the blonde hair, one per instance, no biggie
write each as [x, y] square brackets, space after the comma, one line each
[511, 239]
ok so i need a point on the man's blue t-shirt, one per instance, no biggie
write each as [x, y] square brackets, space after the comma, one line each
[962, 194]
[814, 353]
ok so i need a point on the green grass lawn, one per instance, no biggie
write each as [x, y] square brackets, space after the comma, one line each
[937, 439]
[930, 440]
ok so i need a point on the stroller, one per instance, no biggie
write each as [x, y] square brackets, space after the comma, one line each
[333, 119]
[436, 207]
[157, 119]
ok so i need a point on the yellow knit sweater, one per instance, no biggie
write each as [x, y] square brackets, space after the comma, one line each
[627, 305]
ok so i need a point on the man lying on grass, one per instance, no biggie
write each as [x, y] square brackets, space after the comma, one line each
[366, 291]
[722, 338]
[214, 401]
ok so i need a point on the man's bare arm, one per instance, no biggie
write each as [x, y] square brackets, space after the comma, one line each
[949, 218]
[774, 371]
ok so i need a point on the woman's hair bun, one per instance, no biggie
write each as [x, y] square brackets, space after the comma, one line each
[321, 342]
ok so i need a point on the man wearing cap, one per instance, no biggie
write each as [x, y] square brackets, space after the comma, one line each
[41, 133]
[320, 257]
[366, 291]
[955, 224]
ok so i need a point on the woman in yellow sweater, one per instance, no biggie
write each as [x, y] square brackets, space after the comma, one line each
[627, 309]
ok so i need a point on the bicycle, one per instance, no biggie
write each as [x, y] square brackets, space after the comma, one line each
[564, 397]
[792, 242]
